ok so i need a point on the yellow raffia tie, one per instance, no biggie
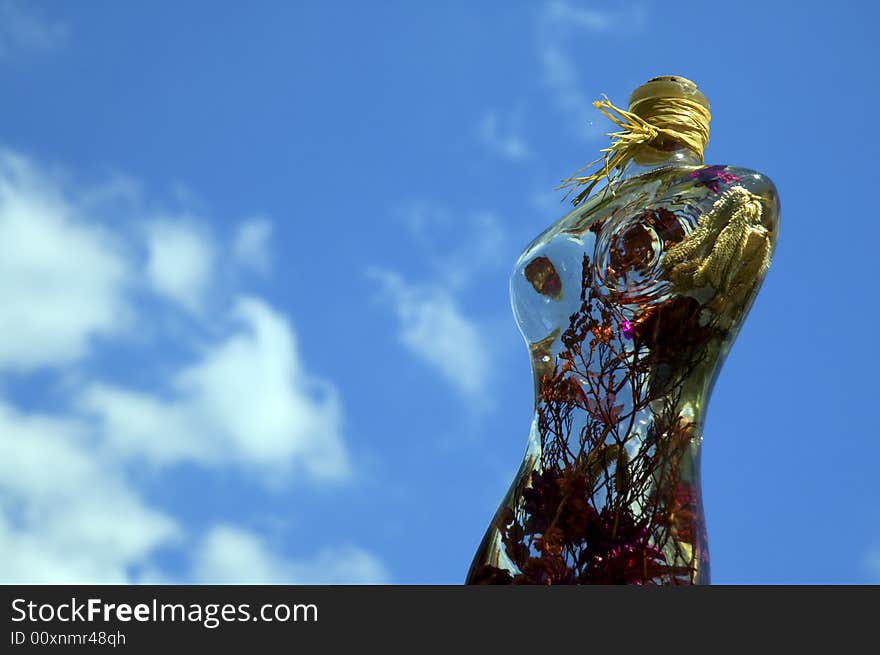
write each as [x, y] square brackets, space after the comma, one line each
[679, 119]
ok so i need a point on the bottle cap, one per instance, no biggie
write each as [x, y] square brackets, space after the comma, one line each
[666, 86]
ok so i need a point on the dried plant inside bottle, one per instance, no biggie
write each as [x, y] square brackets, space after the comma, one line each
[629, 304]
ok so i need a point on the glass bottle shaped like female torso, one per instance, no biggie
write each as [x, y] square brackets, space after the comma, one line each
[629, 305]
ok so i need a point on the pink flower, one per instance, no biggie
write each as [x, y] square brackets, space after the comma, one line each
[604, 409]
[713, 176]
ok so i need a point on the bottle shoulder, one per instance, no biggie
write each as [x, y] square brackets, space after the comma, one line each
[627, 235]
[702, 186]
[694, 187]
[758, 184]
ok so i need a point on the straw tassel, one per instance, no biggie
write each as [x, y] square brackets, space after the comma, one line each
[678, 119]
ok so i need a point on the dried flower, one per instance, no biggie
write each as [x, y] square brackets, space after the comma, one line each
[573, 522]
[604, 409]
[713, 177]
[544, 278]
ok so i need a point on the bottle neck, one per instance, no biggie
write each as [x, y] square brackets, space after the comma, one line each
[652, 158]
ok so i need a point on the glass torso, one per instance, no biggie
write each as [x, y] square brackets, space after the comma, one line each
[628, 305]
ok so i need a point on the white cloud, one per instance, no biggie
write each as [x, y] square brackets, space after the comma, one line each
[251, 247]
[231, 555]
[458, 247]
[253, 389]
[561, 75]
[180, 263]
[433, 327]
[872, 562]
[68, 516]
[140, 425]
[62, 277]
[70, 511]
[431, 322]
[247, 401]
[22, 29]
[558, 26]
[481, 245]
[548, 202]
[505, 142]
[589, 19]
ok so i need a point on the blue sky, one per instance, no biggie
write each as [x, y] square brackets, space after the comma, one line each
[254, 264]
